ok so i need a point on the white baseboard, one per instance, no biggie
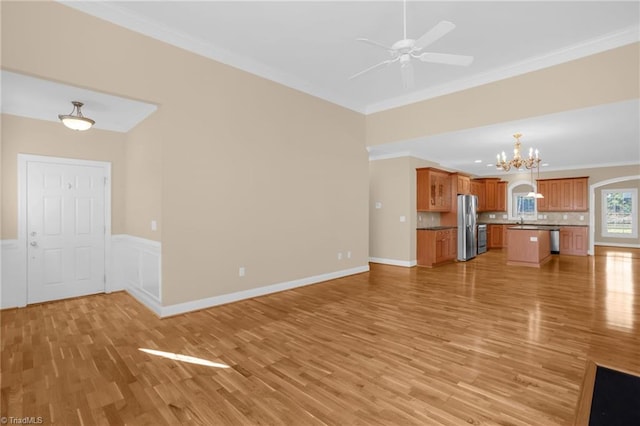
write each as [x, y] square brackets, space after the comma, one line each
[147, 300]
[617, 245]
[181, 308]
[394, 262]
[137, 264]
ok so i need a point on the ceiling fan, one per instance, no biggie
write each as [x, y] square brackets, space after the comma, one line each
[405, 50]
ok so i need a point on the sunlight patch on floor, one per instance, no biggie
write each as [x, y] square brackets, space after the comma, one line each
[184, 358]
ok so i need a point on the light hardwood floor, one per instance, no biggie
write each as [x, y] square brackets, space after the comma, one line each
[466, 343]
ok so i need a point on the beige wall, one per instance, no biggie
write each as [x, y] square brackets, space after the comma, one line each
[606, 77]
[143, 194]
[238, 170]
[393, 183]
[390, 185]
[27, 136]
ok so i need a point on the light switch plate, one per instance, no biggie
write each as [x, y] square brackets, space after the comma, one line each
[403, 218]
[378, 205]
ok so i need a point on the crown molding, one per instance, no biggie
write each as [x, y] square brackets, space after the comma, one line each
[111, 12]
[591, 47]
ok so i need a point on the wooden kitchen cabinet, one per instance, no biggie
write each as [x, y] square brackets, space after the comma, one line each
[580, 194]
[433, 190]
[463, 184]
[491, 193]
[501, 197]
[477, 189]
[436, 247]
[563, 195]
[495, 236]
[574, 240]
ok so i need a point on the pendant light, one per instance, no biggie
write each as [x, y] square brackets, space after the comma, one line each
[534, 193]
[76, 121]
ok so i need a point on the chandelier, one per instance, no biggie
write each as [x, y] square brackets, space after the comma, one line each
[517, 162]
[76, 121]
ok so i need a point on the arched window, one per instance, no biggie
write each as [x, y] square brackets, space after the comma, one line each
[521, 206]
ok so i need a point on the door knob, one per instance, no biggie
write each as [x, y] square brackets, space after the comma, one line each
[33, 244]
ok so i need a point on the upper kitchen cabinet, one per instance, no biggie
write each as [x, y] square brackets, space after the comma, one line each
[501, 197]
[492, 194]
[477, 189]
[463, 184]
[563, 195]
[434, 190]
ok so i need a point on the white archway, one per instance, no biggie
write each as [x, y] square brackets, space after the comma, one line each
[592, 206]
[515, 184]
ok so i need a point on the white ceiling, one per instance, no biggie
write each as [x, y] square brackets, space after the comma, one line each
[311, 46]
[32, 97]
[606, 135]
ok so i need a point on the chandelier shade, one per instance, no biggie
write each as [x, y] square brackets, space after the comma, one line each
[518, 162]
[75, 120]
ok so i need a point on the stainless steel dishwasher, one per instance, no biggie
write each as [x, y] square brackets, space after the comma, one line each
[554, 239]
[482, 238]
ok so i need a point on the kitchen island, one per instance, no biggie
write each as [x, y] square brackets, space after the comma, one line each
[528, 245]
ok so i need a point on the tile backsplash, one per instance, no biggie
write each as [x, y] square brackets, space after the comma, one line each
[549, 218]
[426, 219]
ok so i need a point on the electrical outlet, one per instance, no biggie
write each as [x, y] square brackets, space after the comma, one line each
[565, 217]
[581, 217]
[339, 255]
[403, 218]
[154, 225]
[378, 205]
[348, 255]
[241, 271]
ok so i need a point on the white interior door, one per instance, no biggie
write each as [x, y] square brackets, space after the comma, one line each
[65, 230]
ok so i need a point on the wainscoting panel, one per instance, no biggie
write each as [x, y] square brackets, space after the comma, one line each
[13, 291]
[137, 269]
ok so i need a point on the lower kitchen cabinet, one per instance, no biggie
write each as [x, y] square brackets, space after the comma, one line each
[574, 240]
[495, 236]
[437, 247]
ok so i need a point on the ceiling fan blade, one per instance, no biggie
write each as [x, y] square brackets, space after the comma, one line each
[371, 68]
[406, 72]
[445, 58]
[374, 43]
[442, 28]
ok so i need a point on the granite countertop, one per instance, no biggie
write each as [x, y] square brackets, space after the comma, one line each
[541, 225]
[535, 227]
[436, 228]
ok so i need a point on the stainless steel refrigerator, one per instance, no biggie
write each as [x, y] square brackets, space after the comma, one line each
[467, 216]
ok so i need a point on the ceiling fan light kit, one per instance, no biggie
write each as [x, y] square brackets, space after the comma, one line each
[403, 51]
[75, 120]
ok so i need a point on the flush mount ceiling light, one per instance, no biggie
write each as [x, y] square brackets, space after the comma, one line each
[76, 121]
[517, 161]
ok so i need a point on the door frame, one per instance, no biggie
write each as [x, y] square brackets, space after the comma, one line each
[23, 160]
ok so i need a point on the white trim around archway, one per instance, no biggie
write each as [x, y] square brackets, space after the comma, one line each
[592, 206]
